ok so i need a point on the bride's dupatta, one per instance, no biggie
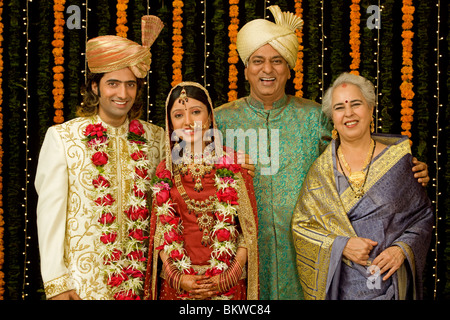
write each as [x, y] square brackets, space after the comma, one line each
[394, 210]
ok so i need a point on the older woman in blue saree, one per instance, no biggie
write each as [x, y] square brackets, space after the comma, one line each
[362, 224]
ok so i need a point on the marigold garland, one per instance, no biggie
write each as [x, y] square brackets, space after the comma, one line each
[58, 52]
[2, 255]
[233, 57]
[122, 29]
[355, 43]
[406, 87]
[298, 80]
[177, 43]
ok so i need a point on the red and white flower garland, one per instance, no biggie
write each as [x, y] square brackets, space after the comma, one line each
[224, 233]
[123, 260]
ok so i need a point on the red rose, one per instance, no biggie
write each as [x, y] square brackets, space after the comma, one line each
[138, 234]
[222, 235]
[94, 130]
[136, 213]
[107, 218]
[139, 193]
[141, 173]
[126, 295]
[224, 257]
[225, 218]
[137, 255]
[176, 255]
[105, 201]
[99, 158]
[101, 181]
[169, 219]
[136, 127]
[227, 195]
[164, 174]
[108, 237]
[132, 272]
[162, 197]
[115, 256]
[138, 155]
[172, 236]
[116, 279]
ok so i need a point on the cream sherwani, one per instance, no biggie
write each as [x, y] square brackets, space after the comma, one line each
[68, 229]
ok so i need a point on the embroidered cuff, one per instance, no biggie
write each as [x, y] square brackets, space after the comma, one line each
[57, 286]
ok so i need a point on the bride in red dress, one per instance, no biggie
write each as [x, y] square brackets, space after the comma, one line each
[203, 234]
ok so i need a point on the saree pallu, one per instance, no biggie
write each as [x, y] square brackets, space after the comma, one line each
[394, 210]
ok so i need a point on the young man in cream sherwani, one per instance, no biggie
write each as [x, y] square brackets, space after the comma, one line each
[92, 208]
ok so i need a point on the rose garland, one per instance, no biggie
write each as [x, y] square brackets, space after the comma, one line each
[177, 43]
[406, 87]
[2, 255]
[355, 19]
[121, 28]
[298, 80]
[224, 233]
[233, 57]
[123, 263]
[58, 69]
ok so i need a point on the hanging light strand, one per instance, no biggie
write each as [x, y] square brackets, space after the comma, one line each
[435, 201]
[26, 261]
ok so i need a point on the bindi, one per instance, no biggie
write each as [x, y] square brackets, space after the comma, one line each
[344, 85]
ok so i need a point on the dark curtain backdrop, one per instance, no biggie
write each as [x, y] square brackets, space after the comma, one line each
[27, 106]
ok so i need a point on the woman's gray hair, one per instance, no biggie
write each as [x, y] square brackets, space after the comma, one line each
[366, 87]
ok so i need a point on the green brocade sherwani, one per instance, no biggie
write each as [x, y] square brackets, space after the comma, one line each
[285, 141]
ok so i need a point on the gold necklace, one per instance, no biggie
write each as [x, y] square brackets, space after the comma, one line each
[205, 221]
[357, 179]
[198, 170]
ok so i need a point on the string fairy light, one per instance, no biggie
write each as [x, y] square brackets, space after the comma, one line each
[85, 27]
[147, 81]
[377, 77]
[439, 105]
[206, 52]
[322, 41]
[26, 261]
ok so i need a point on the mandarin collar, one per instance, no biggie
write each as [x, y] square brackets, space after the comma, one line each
[115, 131]
[259, 105]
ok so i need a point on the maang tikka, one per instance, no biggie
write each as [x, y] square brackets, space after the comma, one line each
[183, 97]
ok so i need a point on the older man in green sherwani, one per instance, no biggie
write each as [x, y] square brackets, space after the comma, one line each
[283, 134]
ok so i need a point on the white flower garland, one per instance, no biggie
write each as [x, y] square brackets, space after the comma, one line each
[124, 262]
[224, 233]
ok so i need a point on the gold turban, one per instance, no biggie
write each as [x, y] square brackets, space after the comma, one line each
[280, 35]
[111, 53]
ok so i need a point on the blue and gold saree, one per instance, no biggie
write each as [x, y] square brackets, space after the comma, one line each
[394, 210]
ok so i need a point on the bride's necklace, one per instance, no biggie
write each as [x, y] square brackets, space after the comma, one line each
[357, 179]
[201, 164]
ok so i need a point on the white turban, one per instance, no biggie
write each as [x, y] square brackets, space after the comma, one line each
[280, 35]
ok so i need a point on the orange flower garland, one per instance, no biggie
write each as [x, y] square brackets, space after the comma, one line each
[58, 69]
[177, 43]
[298, 80]
[406, 87]
[121, 28]
[355, 19]
[2, 255]
[233, 57]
